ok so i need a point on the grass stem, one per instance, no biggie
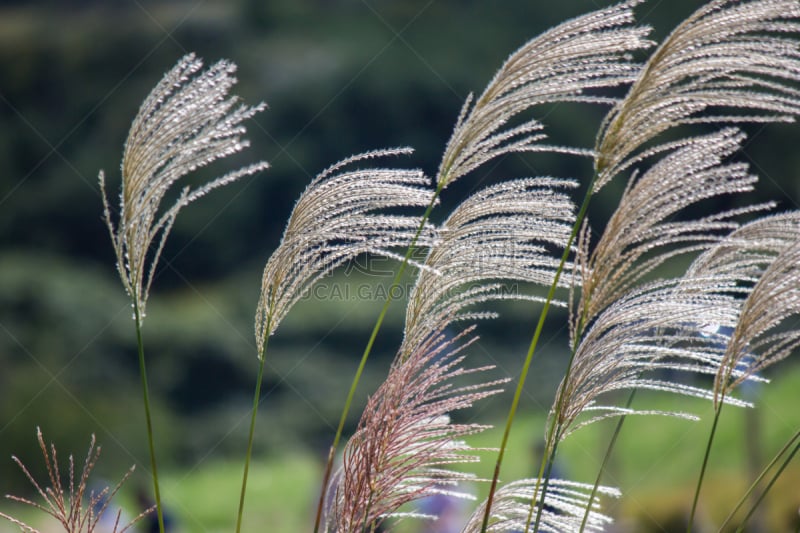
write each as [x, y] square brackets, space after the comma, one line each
[544, 474]
[717, 412]
[760, 477]
[767, 488]
[256, 401]
[606, 458]
[148, 418]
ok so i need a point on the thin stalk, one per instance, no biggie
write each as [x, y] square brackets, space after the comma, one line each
[544, 474]
[605, 462]
[146, 400]
[529, 356]
[553, 437]
[717, 412]
[769, 486]
[368, 349]
[554, 434]
[760, 477]
[256, 401]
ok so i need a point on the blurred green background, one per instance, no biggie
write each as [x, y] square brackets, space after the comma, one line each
[340, 77]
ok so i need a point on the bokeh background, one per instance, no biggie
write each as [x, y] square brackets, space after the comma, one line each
[340, 77]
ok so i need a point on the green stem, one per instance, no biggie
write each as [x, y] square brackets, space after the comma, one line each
[555, 432]
[761, 476]
[717, 412]
[146, 400]
[379, 322]
[768, 487]
[256, 401]
[605, 462]
[529, 356]
[544, 474]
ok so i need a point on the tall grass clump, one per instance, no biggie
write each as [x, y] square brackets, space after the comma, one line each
[673, 133]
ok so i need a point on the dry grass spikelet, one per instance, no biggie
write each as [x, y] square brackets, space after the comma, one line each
[643, 233]
[730, 54]
[186, 122]
[503, 234]
[405, 441]
[764, 334]
[564, 64]
[341, 214]
[67, 505]
[565, 503]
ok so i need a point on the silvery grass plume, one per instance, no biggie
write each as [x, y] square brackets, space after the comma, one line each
[565, 503]
[495, 242]
[735, 265]
[643, 233]
[341, 214]
[760, 262]
[186, 122]
[653, 327]
[730, 54]
[632, 327]
[66, 505]
[764, 334]
[405, 441]
[738, 261]
[565, 64]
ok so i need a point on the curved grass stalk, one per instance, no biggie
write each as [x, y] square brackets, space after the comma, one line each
[761, 476]
[339, 216]
[367, 350]
[554, 433]
[251, 434]
[768, 487]
[606, 457]
[187, 121]
[148, 418]
[717, 413]
[773, 299]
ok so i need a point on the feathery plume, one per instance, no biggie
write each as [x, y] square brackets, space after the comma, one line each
[741, 257]
[633, 327]
[642, 234]
[339, 216]
[657, 326]
[504, 233]
[67, 506]
[405, 439]
[565, 503]
[563, 64]
[768, 273]
[187, 121]
[728, 54]
[762, 336]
